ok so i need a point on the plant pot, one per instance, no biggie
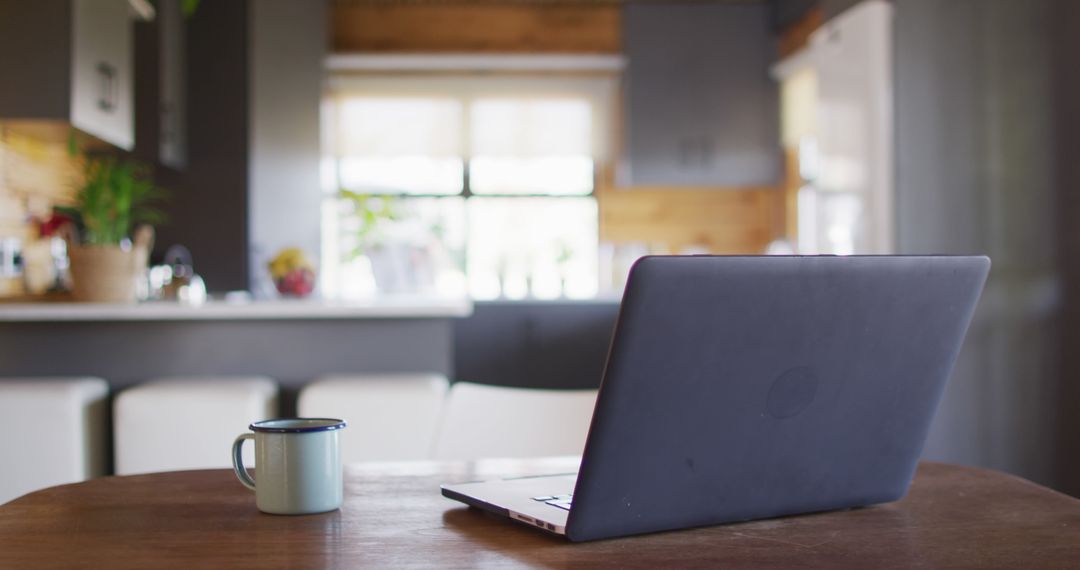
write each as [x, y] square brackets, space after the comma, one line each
[103, 273]
[109, 273]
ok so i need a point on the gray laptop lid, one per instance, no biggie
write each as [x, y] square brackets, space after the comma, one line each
[749, 387]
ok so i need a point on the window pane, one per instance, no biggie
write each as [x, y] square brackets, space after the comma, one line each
[373, 126]
[399, 145]
[401, 245]
[402, 175]
[557, 175]
[531, 146]
[531, 127]
[539, 247]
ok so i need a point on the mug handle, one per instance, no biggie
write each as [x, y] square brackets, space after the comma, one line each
[238, 460]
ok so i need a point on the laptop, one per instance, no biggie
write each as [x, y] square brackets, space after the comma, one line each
[741, 388]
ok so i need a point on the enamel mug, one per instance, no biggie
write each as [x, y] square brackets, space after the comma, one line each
[297, 465]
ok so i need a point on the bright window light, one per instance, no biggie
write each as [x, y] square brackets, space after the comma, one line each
[554, 175]
[532, 247]
[531, 146]
[406, 126]
[462, 191]
[402, 175]
[400, 145]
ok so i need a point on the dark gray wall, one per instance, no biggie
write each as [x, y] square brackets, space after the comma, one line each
[833, 8]
[976, 174]
[787, 12]
[35, 59]
[208, 207]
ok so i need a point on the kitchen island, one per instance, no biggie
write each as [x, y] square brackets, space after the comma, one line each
[291, 341]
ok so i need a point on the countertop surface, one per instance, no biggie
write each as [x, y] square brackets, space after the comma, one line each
[385, 307]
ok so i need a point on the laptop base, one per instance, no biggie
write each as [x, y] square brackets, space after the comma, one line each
[514, 499]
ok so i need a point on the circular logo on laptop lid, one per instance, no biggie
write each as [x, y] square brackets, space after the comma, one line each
[791, 392]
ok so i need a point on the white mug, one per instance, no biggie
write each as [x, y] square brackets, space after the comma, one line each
[297, 465]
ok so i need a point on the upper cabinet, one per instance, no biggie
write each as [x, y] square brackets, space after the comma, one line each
[70, 60]
[700, 108]
[102, 82]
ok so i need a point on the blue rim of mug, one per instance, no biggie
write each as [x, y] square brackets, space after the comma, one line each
[315, 425]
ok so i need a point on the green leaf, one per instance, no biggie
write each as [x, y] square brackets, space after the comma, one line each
[72, 144]
[115, 196]
[188, 7]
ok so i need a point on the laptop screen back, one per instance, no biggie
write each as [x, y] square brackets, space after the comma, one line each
[748, 387]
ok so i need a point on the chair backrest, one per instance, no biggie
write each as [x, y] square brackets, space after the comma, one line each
[391, 416]
[494, 421]
[53, 432]
[188, 422]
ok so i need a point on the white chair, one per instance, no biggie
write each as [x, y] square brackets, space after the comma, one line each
[53, 432]
[188, 422]
[391, 416]
[493, 421]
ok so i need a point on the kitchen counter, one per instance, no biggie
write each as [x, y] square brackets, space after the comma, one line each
[386, 307]
[291, 341]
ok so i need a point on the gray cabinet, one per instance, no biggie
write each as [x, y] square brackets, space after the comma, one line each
[69, 60]
[535, 344]
[172, 82]
[700, 108]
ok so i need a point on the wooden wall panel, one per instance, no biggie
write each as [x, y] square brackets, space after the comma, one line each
[727, 221]
[475, 27]
[797, 36]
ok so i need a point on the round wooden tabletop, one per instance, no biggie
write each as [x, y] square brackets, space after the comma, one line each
[394, 517]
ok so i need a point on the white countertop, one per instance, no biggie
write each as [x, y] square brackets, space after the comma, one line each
[385, 307]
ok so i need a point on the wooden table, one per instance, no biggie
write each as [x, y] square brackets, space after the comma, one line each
[394, 517]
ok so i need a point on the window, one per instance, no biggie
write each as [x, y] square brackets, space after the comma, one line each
[406, 145]
[463, 185]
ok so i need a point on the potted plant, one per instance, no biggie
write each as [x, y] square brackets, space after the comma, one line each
[110, 241]
[375, 215]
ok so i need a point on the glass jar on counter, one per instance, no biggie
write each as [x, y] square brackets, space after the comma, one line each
[44, 265]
